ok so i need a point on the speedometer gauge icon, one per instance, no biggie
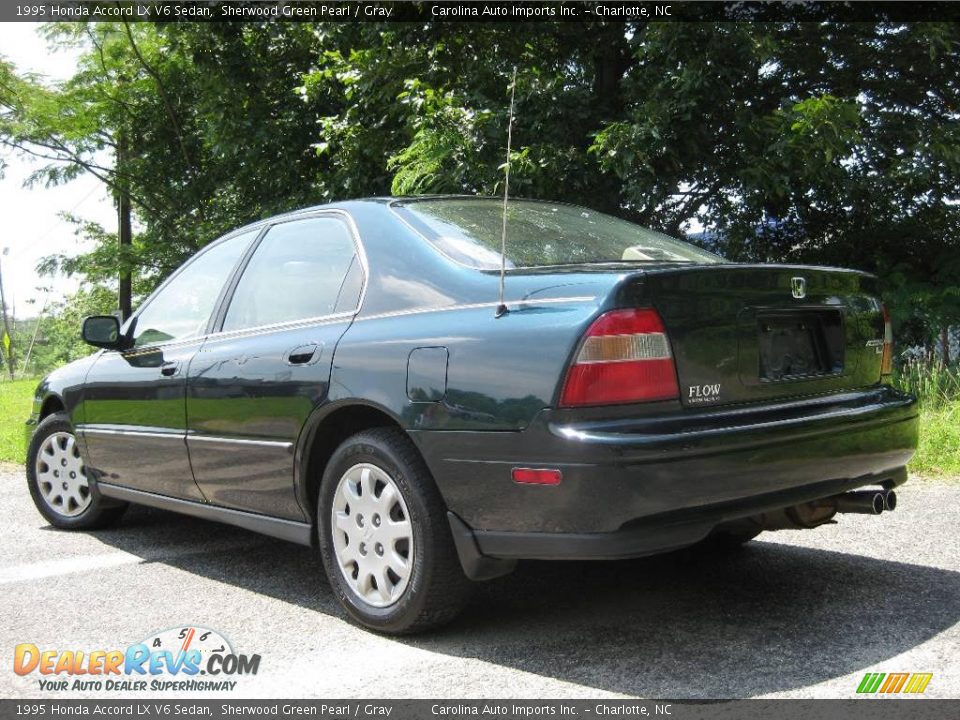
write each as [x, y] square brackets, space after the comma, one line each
[180, 640]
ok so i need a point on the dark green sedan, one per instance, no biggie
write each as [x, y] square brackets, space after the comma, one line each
[346, 377]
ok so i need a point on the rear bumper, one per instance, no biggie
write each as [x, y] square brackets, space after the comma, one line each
[659, 534]
[635, 486]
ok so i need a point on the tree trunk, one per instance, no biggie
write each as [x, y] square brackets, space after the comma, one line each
[611, 60]
[945, 346]
[125, 234]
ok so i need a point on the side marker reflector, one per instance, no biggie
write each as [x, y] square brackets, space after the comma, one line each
[531, 476]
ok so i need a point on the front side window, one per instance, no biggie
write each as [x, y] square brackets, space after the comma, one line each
[183, 306]
[540, 234]
[297, 272]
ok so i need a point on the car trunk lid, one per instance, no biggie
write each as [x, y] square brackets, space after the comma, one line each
[745, 333]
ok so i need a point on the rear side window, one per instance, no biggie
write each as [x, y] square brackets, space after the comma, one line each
[541, 233]
[296, 273]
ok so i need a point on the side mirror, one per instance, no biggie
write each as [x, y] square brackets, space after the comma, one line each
[102, 331]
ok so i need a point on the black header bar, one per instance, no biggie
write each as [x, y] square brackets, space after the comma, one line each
[585, 11]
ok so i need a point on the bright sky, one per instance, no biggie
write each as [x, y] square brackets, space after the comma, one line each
[33, 228]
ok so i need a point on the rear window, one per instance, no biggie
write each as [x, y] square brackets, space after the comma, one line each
[540, 233]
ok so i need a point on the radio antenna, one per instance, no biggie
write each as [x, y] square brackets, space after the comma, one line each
[501, 306]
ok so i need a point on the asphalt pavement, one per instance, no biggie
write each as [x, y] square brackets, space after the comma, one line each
[793, 614]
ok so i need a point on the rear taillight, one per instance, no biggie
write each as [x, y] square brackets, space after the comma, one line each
[625, 357]
[886, 362]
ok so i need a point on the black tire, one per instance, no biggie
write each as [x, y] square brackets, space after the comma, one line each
[100, 513]
[436, 589]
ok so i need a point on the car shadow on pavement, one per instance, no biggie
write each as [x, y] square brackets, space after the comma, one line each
[768, 617]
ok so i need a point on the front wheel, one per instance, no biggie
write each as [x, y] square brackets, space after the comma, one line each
[58, 480]
[384, 536]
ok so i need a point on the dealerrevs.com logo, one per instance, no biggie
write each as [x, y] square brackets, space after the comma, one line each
[894, 683]
[179, 659]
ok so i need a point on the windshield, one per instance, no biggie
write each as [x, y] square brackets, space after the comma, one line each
[540, 233]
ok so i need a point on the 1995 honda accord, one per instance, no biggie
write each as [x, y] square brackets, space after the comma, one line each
[345, 377]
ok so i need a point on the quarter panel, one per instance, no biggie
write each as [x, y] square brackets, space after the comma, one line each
[66, 384]
[501, 371]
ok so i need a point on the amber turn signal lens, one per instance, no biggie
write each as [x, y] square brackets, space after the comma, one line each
[886, 362]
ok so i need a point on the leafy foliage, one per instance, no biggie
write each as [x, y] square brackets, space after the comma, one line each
[829, 142]
[58, 338]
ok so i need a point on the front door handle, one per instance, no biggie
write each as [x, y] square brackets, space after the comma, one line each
[303, 355]
[169, 369]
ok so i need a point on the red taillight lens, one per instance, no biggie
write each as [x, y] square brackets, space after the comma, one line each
[625, 357]
[886, 362]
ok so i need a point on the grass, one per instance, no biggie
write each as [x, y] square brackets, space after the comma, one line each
[939, 451]
[935, 385]
[16, 399]
[939, 391]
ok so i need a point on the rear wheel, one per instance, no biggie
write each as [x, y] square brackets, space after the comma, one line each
[384, 536]
[59, 483]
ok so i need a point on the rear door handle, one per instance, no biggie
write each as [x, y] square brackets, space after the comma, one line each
[169, 369]
[303, 355]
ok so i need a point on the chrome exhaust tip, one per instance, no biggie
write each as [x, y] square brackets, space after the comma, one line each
[867, 502]
[889, 500]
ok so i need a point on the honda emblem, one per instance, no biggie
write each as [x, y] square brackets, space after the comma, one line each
[798, 287]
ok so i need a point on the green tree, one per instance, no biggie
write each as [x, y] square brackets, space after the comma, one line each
[829, 143]
[57, 329]
[192, 123]
[826, 142]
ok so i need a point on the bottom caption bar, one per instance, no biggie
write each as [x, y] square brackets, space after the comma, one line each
[417, 709]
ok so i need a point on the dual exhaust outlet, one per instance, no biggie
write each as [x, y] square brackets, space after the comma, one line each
[819, 512]
[864, 502]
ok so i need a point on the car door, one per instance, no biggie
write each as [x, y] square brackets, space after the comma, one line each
[254, 383]
[134, 401]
